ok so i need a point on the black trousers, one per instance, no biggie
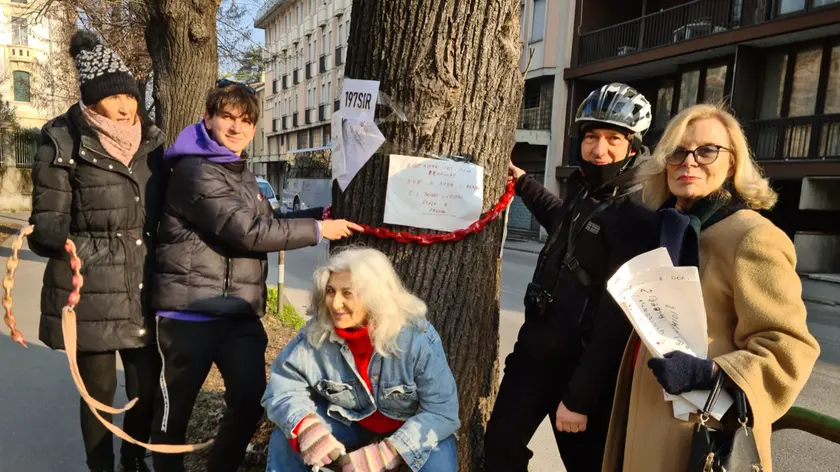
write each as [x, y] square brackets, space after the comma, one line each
[188, 349]
[99, 373]
[532, 389]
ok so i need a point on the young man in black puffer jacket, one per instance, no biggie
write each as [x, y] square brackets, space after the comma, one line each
[210, 293]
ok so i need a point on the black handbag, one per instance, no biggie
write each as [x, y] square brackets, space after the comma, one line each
[731, 448]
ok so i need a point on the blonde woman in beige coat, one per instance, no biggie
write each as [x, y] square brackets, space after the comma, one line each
[753, 298]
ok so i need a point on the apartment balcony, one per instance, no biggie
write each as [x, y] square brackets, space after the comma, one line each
[340, 6]
[285, 123]
[294, 34]
[295, 77]
[294, 120]
[323, 16]
[309, 115]
[285, 81]
[811, 138]
[681, 23]
[308, 26]
[323, 63]
[308, 70]
[339, 55]
[21, 53]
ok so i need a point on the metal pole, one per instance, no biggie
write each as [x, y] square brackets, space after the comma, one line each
[281, 264]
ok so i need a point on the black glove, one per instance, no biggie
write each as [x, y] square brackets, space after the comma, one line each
[679, 372]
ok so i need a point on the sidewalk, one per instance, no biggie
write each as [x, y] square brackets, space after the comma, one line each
[533, 247]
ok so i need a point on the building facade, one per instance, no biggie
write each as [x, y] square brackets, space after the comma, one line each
[776, 63]
[23, 45]
[306, 43]
[545, 27]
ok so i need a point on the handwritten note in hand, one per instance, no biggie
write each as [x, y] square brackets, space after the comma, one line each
[434, 194]
[665, 306]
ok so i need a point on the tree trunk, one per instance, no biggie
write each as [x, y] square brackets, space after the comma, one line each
[453, 67]
[181, 37]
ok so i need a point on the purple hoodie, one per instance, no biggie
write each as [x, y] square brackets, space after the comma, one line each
[194, 141]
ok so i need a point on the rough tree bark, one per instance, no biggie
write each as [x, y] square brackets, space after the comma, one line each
[453, 67]
[181, 37]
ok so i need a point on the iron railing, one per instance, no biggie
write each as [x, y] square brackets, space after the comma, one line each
[676, 24]
[537, 118]
[22, 144]
[803, 137]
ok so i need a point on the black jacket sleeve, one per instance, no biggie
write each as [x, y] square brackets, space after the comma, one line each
[316, 213]
[595, 376]
[546, 207]
[200, 193]
[52, 196]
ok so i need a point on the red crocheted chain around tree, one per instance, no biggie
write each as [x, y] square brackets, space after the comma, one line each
[427, 239]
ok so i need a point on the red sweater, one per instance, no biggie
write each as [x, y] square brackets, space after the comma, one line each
[360, 345]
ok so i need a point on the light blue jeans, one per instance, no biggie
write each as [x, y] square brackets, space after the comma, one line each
[282, 458]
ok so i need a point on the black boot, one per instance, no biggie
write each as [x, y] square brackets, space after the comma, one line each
[134, 465]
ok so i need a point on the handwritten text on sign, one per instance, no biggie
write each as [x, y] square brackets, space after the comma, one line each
[434, 194]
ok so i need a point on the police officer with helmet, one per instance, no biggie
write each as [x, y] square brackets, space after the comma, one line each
[567, 355]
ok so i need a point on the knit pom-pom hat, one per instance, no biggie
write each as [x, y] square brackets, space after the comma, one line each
[101, 71]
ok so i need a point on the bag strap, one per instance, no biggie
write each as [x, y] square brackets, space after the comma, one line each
[713, 397]
[741, 406]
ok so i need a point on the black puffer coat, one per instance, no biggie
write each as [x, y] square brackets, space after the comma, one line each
[214, 237]
[111, 212]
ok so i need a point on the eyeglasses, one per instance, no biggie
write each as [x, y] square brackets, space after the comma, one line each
[704, 155]
[225, 82]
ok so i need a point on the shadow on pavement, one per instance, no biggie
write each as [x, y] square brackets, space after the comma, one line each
[23, 254]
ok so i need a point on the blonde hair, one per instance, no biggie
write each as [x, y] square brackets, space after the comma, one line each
[748, 180]
[389, 305]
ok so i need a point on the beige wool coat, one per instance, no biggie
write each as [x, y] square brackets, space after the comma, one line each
[757, 335]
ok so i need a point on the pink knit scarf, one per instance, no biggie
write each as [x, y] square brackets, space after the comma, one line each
[120, 141]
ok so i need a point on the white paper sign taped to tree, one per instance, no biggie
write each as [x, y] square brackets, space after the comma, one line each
[665, 306]
[355, 136]
[432, 193]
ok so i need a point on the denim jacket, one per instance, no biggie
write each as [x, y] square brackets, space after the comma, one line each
[416, 387]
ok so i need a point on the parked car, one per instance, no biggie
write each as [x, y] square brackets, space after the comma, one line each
[289, 202]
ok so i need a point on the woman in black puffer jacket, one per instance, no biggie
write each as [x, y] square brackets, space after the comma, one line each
[99, 179]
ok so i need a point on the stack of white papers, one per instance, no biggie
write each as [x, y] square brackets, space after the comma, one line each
[665, 305]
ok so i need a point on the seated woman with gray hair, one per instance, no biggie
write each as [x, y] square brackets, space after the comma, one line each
[365, 385]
